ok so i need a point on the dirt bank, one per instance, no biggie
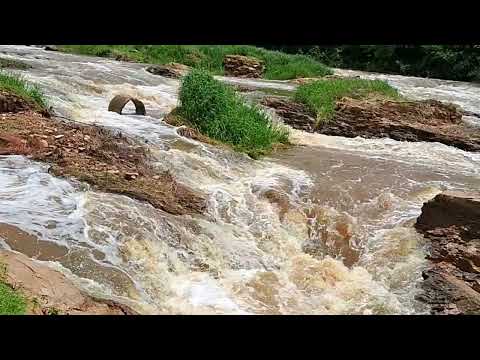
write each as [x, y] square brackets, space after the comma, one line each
[108, 161]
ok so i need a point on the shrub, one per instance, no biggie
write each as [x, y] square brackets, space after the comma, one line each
[217, 111]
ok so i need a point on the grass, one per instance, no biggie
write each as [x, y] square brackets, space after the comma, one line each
[215, 110]
[17, 85]
[321, 96]
[13, 64]
[279, 66]
[11, 303]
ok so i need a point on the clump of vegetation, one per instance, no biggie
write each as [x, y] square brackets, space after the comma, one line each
[11, 303]
[321, 96]
[452, 62]
[278, 65]
[218, 112]
[17, 85]
[12, 64]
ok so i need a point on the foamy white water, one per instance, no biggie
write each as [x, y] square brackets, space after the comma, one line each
[336, 236]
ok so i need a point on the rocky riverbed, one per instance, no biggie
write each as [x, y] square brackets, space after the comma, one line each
[325, 226]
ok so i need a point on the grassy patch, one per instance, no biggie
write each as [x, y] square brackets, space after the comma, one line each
[11, 303]
[321, 96]
[12, 64]
[218, 112]
[17, 85]
[278, 65]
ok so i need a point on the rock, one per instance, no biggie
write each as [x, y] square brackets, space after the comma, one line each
[10, 103]
[171, 70]
[294, 114]
[131, 176]
[301, 81]
[243, 66]
[43, 143]
[51, 48]
[451, 223]
[118, 103]
[50, 291]
[427, 120]
[57, 137]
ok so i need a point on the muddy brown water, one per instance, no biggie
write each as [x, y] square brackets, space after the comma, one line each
[325, 227]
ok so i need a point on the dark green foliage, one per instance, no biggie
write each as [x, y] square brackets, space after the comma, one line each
[217, 111]
[453, 62]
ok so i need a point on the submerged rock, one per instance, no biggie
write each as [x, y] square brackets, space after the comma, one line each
[51, 48]
[243, 66]
[451, 223]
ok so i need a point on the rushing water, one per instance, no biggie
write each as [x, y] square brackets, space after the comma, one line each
[324, 227]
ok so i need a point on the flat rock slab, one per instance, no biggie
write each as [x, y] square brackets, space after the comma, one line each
[171, 70]
[243, 66]
[49, 291]
[451, 223]
[427, 120]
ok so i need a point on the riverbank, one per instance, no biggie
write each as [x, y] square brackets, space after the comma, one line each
[104, 159]
[278, 65]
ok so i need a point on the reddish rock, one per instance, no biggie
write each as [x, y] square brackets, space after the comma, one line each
[171, 70]
[49, 291]
[427, 120]
[294, 114]
[451, 223]
[243, 66]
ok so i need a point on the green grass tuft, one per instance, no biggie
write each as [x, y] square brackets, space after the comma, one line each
[321, 96]
[13, 64]
[11, 303]
[17, 85]
[279, 66]
[218, 112]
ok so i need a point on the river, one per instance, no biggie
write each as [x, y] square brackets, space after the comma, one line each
[324, 227]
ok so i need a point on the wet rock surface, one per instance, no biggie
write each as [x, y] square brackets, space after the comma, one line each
[427, 120]
[451, 223]
[243, 66]
[108, 161]
[48, 291]
[171, 70]
[11, 103]
[294, 114]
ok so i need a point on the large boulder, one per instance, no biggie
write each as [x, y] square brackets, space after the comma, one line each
[243, 66]
[171, 70]
[294, 114]
[451, 223]
[427, 120]
[12, 103]
[48, 291]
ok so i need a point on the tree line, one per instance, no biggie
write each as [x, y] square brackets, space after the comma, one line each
[452, 62]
